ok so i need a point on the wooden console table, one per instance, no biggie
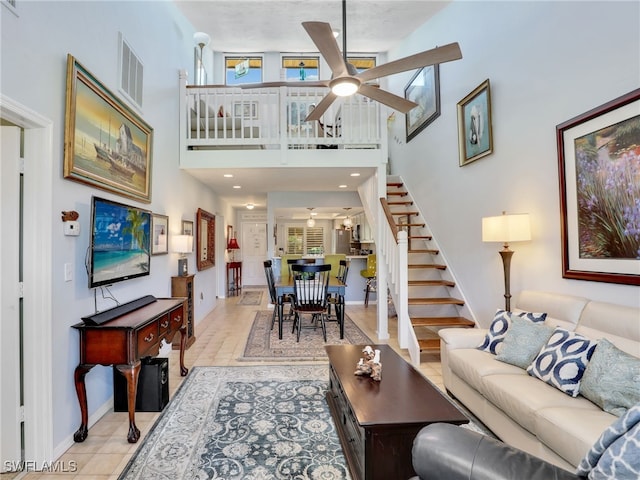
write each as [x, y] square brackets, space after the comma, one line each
[121, 337]
[234, 277]
[377, 421]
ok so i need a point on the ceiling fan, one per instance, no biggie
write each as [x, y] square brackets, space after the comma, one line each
[345, 80]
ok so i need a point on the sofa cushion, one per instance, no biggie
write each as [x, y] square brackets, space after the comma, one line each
[616, 454]
[562, 361]
[522, 396]
[570, 431]
[523, 341]
[612, 379]
[471, 365]
[492, 342]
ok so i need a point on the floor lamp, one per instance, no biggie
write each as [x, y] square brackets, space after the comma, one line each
[504, 229]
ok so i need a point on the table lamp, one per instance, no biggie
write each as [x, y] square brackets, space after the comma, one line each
[232, 246]
[506, 228]
[182, 244]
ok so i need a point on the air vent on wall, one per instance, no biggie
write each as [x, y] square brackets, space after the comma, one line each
[131, 70]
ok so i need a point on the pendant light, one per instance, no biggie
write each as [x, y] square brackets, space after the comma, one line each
[311, 222]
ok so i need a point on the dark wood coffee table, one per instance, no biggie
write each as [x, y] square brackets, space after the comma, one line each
[377, 421]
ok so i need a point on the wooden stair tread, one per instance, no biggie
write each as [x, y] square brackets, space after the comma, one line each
[417, 237]
[404, 202]
[400, 225]
[427, 265]
[394, 184]
[431, 283]
[442, 322]
[398, 194]
[423, 250]
[434, 301]
[405, 213]
[429, 344]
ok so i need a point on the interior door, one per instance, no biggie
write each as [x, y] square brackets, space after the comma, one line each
[254, 252]
[10, 307]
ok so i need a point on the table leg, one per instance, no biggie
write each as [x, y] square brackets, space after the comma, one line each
[131, 373]
[81, 391]
[280, 315]
[340, 314]
[183, 346]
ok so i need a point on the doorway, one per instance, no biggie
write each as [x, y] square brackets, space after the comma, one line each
[36, 277]
[254, 252]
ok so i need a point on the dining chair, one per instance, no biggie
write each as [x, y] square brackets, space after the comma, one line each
[271, 283]
[369, 274]
[299, 261]
[343, 271]
[310, 285]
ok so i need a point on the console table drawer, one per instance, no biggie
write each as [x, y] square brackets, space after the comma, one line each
[164, 322]
[148, 338]
[177, 319]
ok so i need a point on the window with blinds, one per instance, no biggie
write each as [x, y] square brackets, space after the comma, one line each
[305, 240]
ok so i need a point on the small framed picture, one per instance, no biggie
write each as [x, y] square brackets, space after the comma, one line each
[475, 134]
[159, 237]
[187, 227]
[245, 110]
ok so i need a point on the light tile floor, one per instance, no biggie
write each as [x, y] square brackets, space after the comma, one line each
[220, 341]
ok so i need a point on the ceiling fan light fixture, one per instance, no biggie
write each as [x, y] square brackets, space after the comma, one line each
[344, 86]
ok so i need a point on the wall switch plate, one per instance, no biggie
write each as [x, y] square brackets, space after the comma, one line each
[71, 228]
[68, 272]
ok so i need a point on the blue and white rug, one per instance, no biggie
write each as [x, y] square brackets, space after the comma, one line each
[258, 423]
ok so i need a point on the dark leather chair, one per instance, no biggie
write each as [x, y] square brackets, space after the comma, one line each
[442, 451]
[310, 284]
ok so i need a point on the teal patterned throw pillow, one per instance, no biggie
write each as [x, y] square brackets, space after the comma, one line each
[612, 379]
[523, 341]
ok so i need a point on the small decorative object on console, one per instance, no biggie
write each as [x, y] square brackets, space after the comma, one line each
[370, 364]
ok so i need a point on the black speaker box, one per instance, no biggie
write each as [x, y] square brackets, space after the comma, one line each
[153, 387]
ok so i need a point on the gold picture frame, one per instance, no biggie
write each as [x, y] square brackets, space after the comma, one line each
[106, 145]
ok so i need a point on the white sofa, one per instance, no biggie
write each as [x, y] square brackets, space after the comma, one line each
[522, 410]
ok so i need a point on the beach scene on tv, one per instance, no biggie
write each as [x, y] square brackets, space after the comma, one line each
[121, 241]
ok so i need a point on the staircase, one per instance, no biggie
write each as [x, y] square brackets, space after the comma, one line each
[432, 293]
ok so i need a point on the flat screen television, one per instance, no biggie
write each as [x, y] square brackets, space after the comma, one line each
[120, 242]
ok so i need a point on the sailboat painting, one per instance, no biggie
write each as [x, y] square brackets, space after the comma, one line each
[107, 145]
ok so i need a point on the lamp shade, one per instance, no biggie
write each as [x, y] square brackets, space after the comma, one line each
[201, 39]
[182, 244]
[233, 244]
[506, 228]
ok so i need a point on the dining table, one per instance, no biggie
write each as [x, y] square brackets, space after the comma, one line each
[284, 286]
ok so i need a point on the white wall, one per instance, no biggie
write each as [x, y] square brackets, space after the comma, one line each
[35, 44]
[547, 62]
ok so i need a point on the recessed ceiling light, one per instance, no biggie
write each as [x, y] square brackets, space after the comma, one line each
[313, 214]
[342, 186]
[228, 175]
[237, 186]
[250, 206]
[355, 174]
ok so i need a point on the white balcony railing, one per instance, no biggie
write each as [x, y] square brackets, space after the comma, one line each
[218, 117]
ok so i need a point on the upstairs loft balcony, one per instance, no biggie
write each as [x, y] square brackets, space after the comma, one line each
[271, 121]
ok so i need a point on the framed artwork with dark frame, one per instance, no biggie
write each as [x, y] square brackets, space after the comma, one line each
[106, 145]
[599, 168]
[423, 89]
[205, 239]
[159, 236]
[475, 133]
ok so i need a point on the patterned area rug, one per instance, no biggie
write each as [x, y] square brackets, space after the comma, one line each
[250, 297]
[261, 423]
[263, 343]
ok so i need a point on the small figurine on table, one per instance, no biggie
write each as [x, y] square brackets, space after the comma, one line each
[369, 364]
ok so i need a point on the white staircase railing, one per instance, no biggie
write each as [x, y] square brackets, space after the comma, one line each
[393, 256]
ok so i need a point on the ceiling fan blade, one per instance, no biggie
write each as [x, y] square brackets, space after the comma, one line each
[442, 54]
[320, 83]
[389, 99]
[317, 112]
[322, 36]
